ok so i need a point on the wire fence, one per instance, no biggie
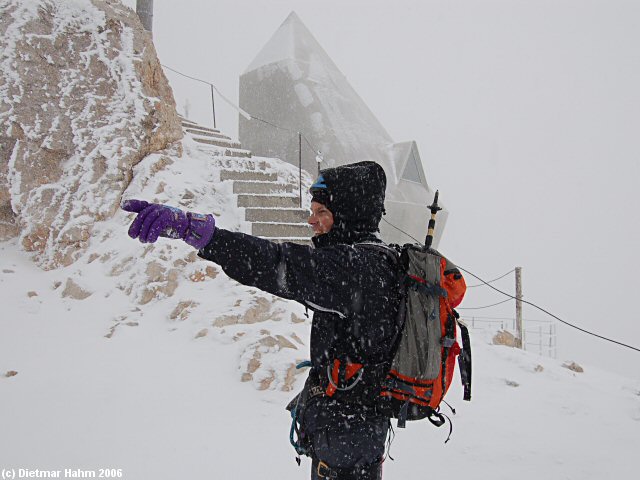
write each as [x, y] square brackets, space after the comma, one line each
[540, 336]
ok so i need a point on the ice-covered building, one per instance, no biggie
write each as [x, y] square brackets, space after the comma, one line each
[293, 86]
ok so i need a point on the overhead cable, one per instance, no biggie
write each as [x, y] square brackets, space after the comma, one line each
[236, 107]
[242, 112]
[486, 306]
[491, 281]
[554, 316]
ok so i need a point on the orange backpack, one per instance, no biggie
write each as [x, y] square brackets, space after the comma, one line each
[426, 347]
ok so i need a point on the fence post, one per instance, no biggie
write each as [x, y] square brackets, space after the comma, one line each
[519, 329]
[540, 335]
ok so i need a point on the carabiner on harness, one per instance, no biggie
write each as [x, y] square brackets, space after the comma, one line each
[348, 387]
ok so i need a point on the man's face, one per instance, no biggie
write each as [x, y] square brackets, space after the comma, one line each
[321, 218]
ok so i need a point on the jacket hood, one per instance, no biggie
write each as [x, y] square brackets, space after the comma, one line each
[355, 196]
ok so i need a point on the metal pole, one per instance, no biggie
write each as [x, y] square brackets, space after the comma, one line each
[434, 208]
[144, 9]
[300, 165]
[213, 106]
[519, 329]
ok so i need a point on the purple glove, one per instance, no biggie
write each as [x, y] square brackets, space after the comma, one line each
[155, 220]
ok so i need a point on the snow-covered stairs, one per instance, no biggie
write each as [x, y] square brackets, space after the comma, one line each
[212, 136]
[270, 198]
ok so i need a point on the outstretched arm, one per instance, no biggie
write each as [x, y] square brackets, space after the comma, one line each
[315, 278]
[322, 279]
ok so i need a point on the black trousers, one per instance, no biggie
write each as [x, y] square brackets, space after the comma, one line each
[350, 450]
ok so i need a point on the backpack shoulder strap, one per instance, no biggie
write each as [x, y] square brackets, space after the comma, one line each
[392, 251]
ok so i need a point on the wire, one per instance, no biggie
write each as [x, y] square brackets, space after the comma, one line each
[506, 318]
[313, 149]
[486, 306]
[185, 75]
[532, 304]
[417, 241]
[491, 281]
[272, 124]
[245, 114]
[236, 107]
[552, 315]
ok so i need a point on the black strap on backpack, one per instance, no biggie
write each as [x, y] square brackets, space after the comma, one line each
[464, 359]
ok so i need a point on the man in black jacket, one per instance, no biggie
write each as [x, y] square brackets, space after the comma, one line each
[350, 287]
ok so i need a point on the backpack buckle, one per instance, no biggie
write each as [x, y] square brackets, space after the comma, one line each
[324, 471]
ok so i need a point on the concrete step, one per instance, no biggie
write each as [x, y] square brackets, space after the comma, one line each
[227, 154]
[248, 176]
[218, 142]
[204, 133]
[240, 164]
[268, 201]
[190, 124]
[276, 215]
[237, 152]
[279, 230]
[261, 188]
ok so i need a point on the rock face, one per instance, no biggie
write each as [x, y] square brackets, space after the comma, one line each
[82, 100]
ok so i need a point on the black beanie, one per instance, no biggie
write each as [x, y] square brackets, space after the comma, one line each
[354, 194]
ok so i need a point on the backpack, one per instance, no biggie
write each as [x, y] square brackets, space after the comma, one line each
[426, 347]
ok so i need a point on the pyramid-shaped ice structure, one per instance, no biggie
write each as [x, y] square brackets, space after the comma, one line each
[293, 86]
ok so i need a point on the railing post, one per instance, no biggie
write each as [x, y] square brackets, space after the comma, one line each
[213, 106]
[300, 165]
[319, 159]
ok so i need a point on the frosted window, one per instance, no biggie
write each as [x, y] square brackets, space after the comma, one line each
[411, 170]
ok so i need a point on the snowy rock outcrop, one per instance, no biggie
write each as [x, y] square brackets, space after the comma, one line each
[87, 118]
[82, 100]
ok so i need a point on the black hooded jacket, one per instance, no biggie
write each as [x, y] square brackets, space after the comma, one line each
[351, 289]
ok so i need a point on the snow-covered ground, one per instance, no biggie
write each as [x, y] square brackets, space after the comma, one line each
[108, 382]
